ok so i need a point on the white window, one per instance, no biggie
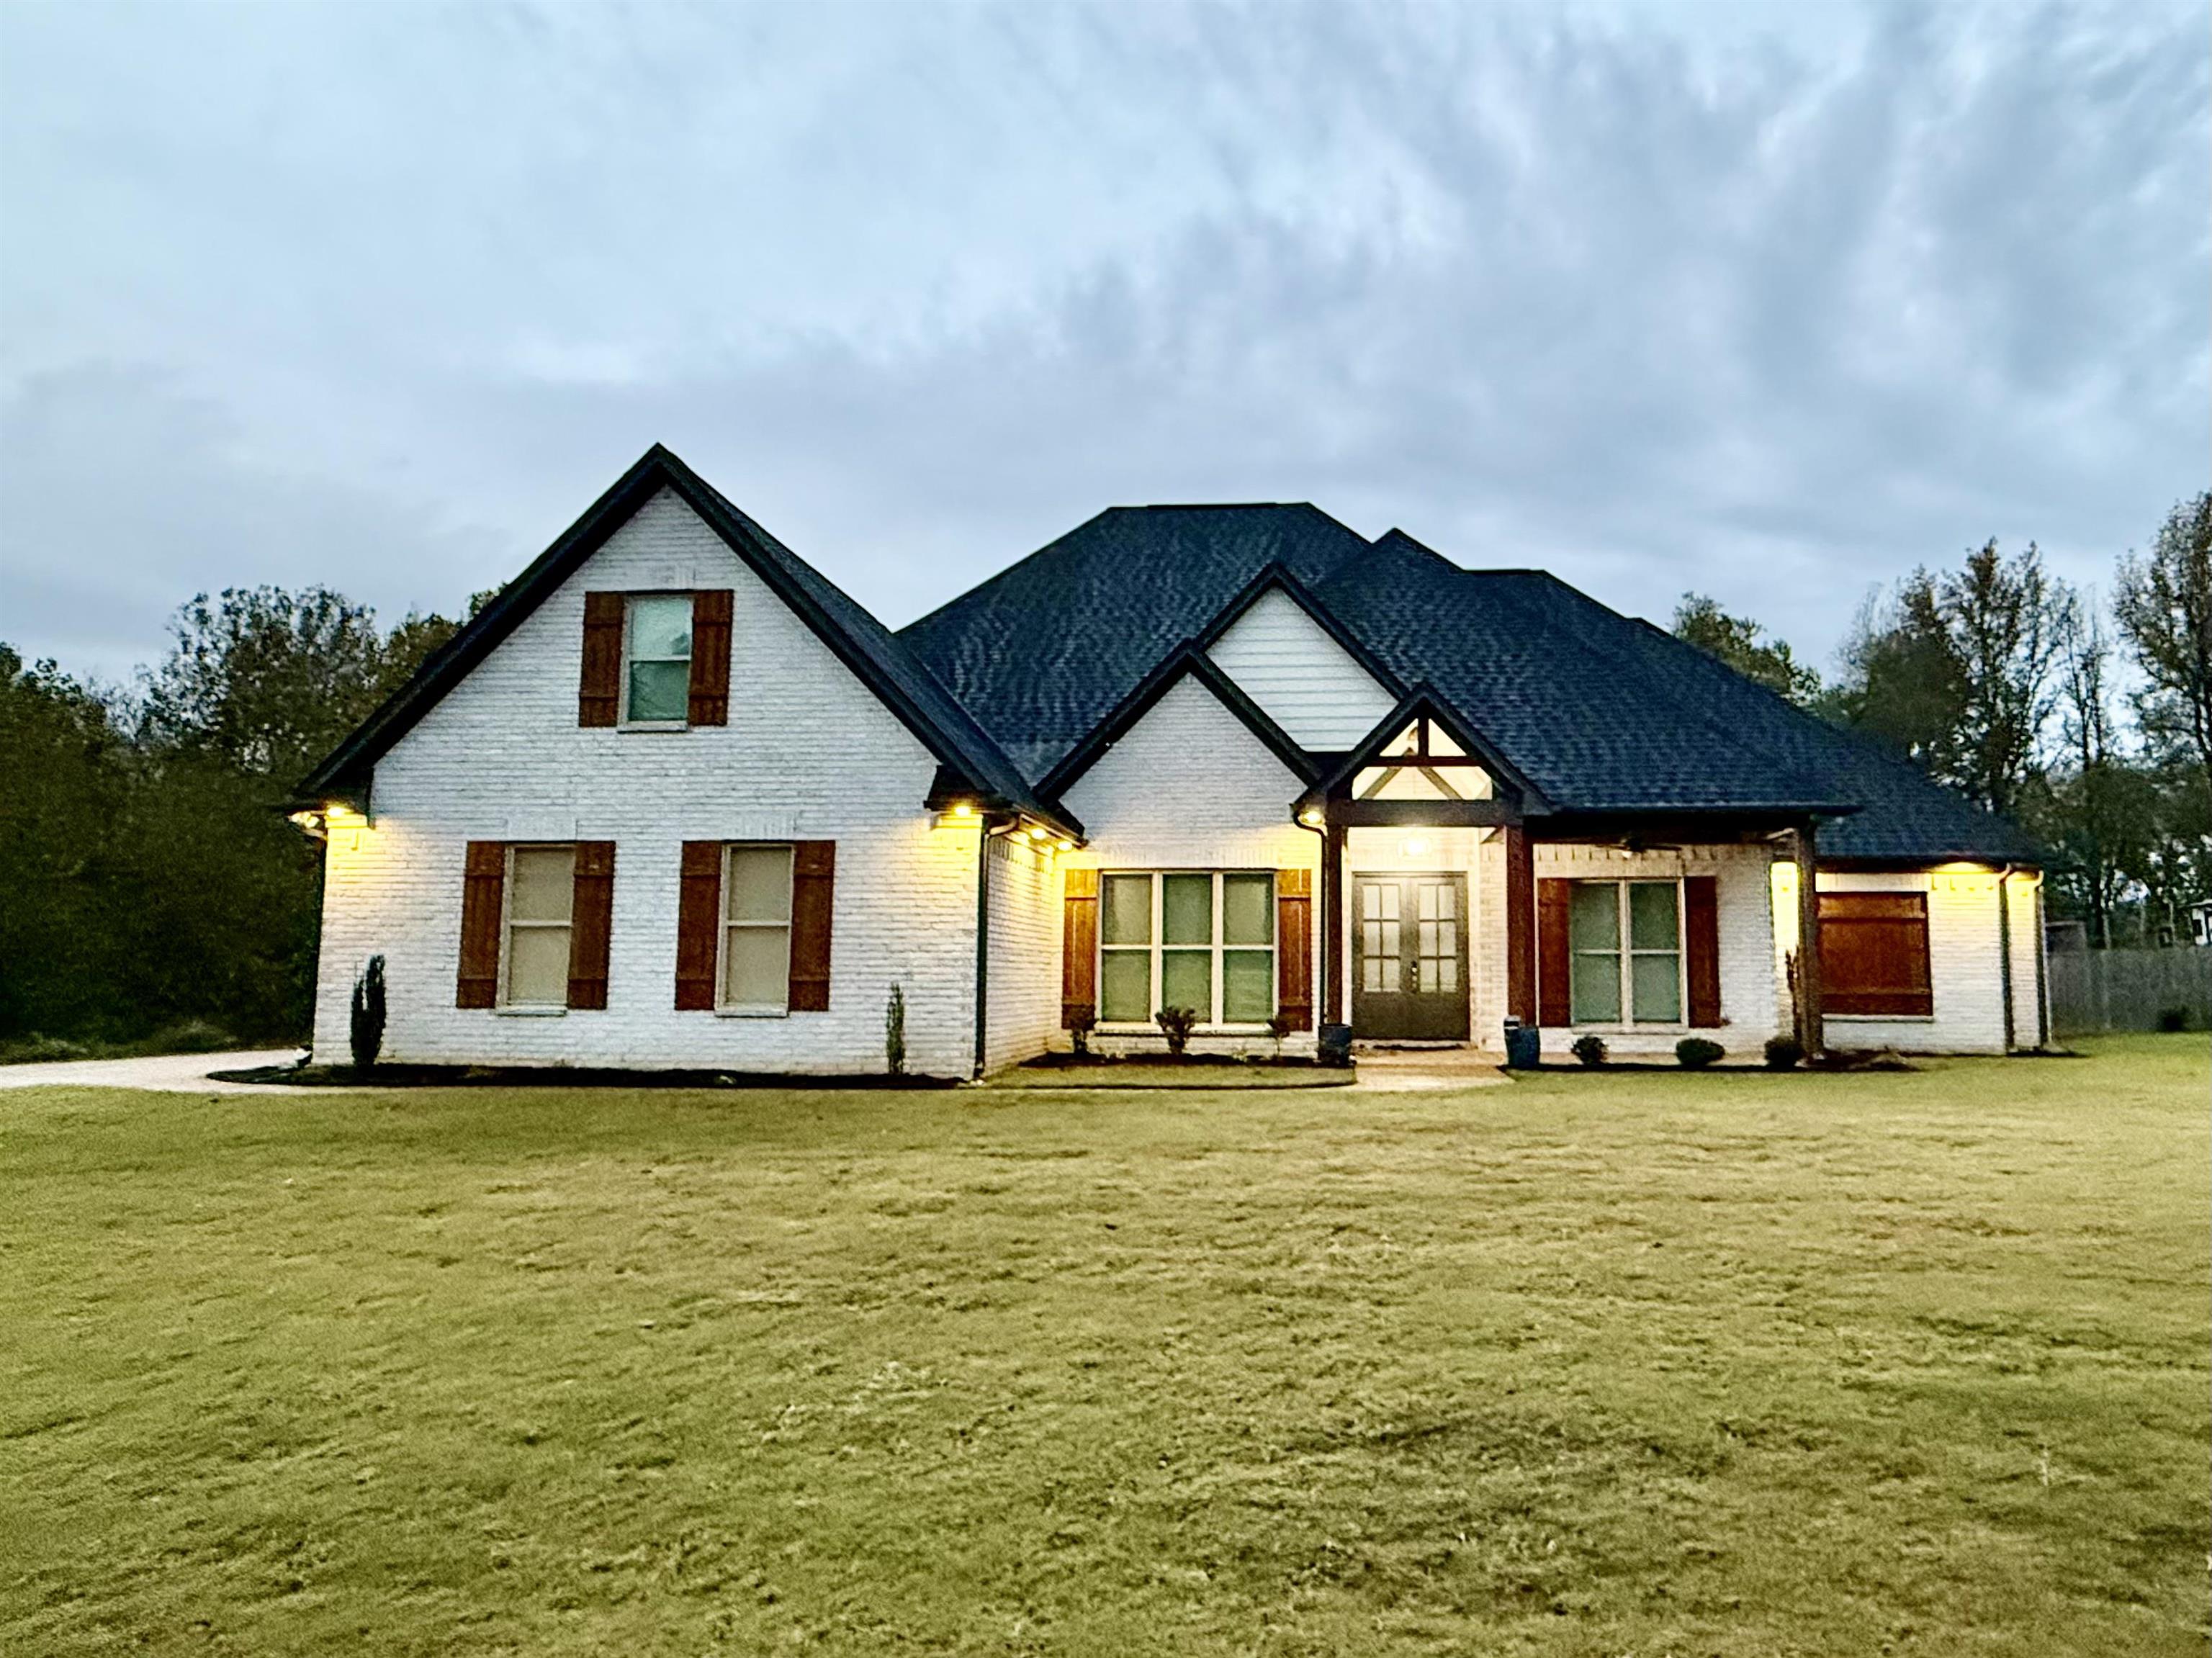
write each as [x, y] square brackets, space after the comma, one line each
[1201, 939]
[756, 975]
[1643, 978]
[657, 660]
[541, 891]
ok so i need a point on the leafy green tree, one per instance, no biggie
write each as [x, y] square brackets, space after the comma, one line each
[1902, 681]
[2164, 606]
[1737, 641]
[2100, 809]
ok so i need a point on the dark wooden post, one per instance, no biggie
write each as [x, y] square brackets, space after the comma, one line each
[1812, 1026]
[1332, 921]
[1520, 925]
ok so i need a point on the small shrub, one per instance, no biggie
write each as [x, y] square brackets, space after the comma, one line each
[895, 1031]
[1590, 1050]
[1783, 1053]
[1082, 1020]
[367, 1031]
[1175, 1024]
[2173, 1018]
[1696, 1052]
[1280, 1028]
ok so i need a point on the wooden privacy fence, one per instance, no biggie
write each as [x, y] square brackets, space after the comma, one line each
[2093, 990]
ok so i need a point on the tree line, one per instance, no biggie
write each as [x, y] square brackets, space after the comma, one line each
[151, 887]
[2088, 721]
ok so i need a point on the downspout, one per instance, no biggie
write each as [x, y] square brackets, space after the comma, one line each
[2004, 950]
[2042, 970]
[1324, 896]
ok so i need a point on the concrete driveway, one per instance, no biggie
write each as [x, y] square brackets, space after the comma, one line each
[168, 1073]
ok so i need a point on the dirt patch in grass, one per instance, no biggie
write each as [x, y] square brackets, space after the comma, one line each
[1587, 1365]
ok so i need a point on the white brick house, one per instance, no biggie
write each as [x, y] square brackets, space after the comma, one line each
[673, 801]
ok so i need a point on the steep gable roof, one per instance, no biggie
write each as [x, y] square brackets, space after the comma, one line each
[1189, 662]
[969, 760]
[1045, 650]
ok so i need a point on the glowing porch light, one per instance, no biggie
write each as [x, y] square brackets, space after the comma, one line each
[1311, 816]
[1414, 848]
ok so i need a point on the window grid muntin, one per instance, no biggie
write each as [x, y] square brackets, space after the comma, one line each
[510, 923]
[1625, 953]
[755, 927]
[1155, 949]
[631, 661]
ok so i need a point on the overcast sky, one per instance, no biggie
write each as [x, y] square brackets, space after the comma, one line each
[1770, 304]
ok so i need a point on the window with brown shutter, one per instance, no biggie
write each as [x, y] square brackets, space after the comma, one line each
[813, 875]
[710, 657]
[1874, 954]
[483, 899]
[698, 922]
[1701, 946]
[598, 697]
[1078, 948]
[591, 924]
[1294, 948]
[1554, 902]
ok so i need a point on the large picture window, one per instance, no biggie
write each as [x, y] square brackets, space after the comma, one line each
[1200, 940]
[657, 660]
[541, 894]
[1625, 940]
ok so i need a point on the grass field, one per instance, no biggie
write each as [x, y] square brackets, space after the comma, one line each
[1636, 1364]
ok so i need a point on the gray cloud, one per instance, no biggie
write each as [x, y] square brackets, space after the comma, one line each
[1660, 300]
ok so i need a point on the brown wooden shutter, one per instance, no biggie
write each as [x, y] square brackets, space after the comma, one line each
[1874, 953]
[710, 657]
[591, 923]
[1701, 943]
[483, 898]
[1520, 926]
[1294, 947]
[1079, 947]
[598, 698]
[813, 881]
[1555, 1000]
[698, 922]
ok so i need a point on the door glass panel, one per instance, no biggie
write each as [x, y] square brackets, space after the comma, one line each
[537, 965]
[1126, 986]
[1380, 942]
[1186, 912]
[1248, 909]
[1128, 917]
[1657, 985]
[760, 883]
[1187, 981]
[1247, 986]
[1651, 916]
[756, 966]
[544, 884]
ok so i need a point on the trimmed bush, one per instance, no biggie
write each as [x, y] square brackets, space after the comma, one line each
[2173, 1018]
[1082, 1020]
[1696, 1052]
[1590, 1050]
[1785, 1053]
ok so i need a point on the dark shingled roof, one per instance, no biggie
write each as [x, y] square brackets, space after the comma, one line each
[969, 760]
[1600, 712]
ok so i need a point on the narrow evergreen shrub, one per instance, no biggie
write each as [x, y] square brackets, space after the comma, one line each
[895, 1031]
[366, 1030]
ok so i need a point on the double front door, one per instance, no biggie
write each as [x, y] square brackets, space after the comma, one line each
[1409, 957]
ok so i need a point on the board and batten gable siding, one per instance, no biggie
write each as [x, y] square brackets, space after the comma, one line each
[808, 753]
[1304, 680]
[1189, 787]
[1752, 1007]
[1965, 975]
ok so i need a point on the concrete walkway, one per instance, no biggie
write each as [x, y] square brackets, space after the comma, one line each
[1401, 1069]
[168, 1073]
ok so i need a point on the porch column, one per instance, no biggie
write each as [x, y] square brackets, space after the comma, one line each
[1332, 922]
[1520, 925]
[1812, 1026]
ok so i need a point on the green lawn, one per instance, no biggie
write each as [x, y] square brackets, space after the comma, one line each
[1633, 1365]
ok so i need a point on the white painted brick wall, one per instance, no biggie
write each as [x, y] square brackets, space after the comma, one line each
[809, 754]
[1189, 787]
[1963, 962]
[1023, 1007]
[1748, 997]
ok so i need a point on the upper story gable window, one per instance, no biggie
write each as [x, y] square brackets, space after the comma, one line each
[657, 660]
